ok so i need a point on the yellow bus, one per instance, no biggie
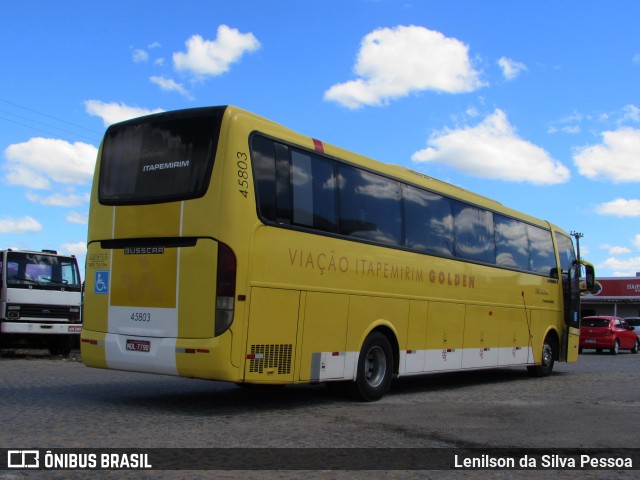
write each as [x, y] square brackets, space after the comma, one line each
[224, 246]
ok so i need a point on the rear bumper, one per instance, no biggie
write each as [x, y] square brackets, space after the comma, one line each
[599, 342]
[22, 328]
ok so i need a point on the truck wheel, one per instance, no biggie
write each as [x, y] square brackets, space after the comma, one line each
[60, 347]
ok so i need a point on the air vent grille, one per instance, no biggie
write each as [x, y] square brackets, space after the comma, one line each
[270, 357]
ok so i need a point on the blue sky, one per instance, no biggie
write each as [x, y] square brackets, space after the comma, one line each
[533, 103]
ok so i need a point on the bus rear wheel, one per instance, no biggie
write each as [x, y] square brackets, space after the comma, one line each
[375, 369]
[545, 368]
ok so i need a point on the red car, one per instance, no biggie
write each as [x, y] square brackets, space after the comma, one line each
[613, 333]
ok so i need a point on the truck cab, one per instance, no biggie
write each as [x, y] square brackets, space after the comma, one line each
[40, 300]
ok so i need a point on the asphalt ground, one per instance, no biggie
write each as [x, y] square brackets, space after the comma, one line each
[49, 403]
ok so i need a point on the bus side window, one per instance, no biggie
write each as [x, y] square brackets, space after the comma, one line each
[314, 191]
[542, 256]
[512, 249]
[428, 221]
[474, 234]
[264, 171]
[567, 254]
[283, 184]
[370, 206]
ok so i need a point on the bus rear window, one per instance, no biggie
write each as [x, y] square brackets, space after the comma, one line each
[159, 158]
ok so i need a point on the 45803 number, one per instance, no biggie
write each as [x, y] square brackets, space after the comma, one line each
[243, 174]
[141, 317]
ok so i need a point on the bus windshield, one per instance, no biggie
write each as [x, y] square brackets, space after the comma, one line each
[46, 272]
[164, 157]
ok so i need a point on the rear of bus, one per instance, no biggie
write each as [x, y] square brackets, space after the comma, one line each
[160, 272]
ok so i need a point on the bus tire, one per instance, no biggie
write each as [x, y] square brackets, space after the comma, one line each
[548, 358]
[375, 369]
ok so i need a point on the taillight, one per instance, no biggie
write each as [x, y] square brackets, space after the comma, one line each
[225, 288]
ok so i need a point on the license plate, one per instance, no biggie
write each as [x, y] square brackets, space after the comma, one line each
[75, 329]
[590, 340]
[138, 345]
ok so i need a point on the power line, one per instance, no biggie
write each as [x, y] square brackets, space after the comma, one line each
[48, 125]
[41, 123]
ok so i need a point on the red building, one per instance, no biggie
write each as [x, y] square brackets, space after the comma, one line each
[619, 296]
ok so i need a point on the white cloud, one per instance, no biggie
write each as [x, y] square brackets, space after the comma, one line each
[619, 250]
[570, 129]
[570, 124]
[493, 150]
[139, 56]
[77, 217]
[57, 200]
[394, 62]
[510, 68]
[616, 158]
[40, 161]
[169, 85]
[78, 249]
[20, 225]
[621, 267]
[115, 112]
[620, 207]
[636, 241]
[214, 57]
[630, 113]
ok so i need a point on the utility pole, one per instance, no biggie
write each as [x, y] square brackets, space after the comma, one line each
[577, 236]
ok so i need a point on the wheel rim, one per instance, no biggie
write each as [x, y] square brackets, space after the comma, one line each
[375, 366]
[547, 355]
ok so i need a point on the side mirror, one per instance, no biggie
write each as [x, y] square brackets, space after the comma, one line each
[590, 277]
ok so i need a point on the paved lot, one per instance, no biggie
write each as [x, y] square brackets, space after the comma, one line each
[60, 403]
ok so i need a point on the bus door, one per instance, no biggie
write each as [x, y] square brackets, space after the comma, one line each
[570, 278]
[571, 294]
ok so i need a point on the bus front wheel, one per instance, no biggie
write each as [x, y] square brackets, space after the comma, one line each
[549, 349]
[375, 369]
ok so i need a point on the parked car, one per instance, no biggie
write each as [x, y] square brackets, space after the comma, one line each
[635, 323]
[612, 333]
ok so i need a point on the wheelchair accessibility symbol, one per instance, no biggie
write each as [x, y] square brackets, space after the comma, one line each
[101, 283]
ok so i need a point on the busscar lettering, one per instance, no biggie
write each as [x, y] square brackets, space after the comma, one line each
[144, 250]
[165, 166]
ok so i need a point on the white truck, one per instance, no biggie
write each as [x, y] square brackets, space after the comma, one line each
[40, 300]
